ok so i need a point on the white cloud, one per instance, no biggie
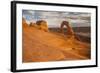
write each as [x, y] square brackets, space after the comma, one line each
[54, 19]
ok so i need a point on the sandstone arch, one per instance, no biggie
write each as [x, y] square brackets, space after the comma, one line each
[69, 28]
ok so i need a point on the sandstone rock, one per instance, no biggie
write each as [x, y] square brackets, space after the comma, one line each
[42, 25]
[33, 24]
[24, 23]
[69, 28]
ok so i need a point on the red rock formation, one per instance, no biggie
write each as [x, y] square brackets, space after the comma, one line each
[32, 24]
[24, 23]
[69, 29]
[42, 24]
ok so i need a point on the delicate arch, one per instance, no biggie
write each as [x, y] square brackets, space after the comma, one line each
[69, 29]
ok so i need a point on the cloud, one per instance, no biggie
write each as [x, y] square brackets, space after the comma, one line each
[54, 18]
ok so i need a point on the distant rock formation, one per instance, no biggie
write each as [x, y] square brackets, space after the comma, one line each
[24, 23]
[42, 24]
[33, 24]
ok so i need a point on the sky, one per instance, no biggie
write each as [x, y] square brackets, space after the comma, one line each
[54, 18]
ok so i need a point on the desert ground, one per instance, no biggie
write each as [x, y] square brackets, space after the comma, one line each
[42, 46]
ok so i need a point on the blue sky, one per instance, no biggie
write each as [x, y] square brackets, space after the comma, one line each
[55, 18]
